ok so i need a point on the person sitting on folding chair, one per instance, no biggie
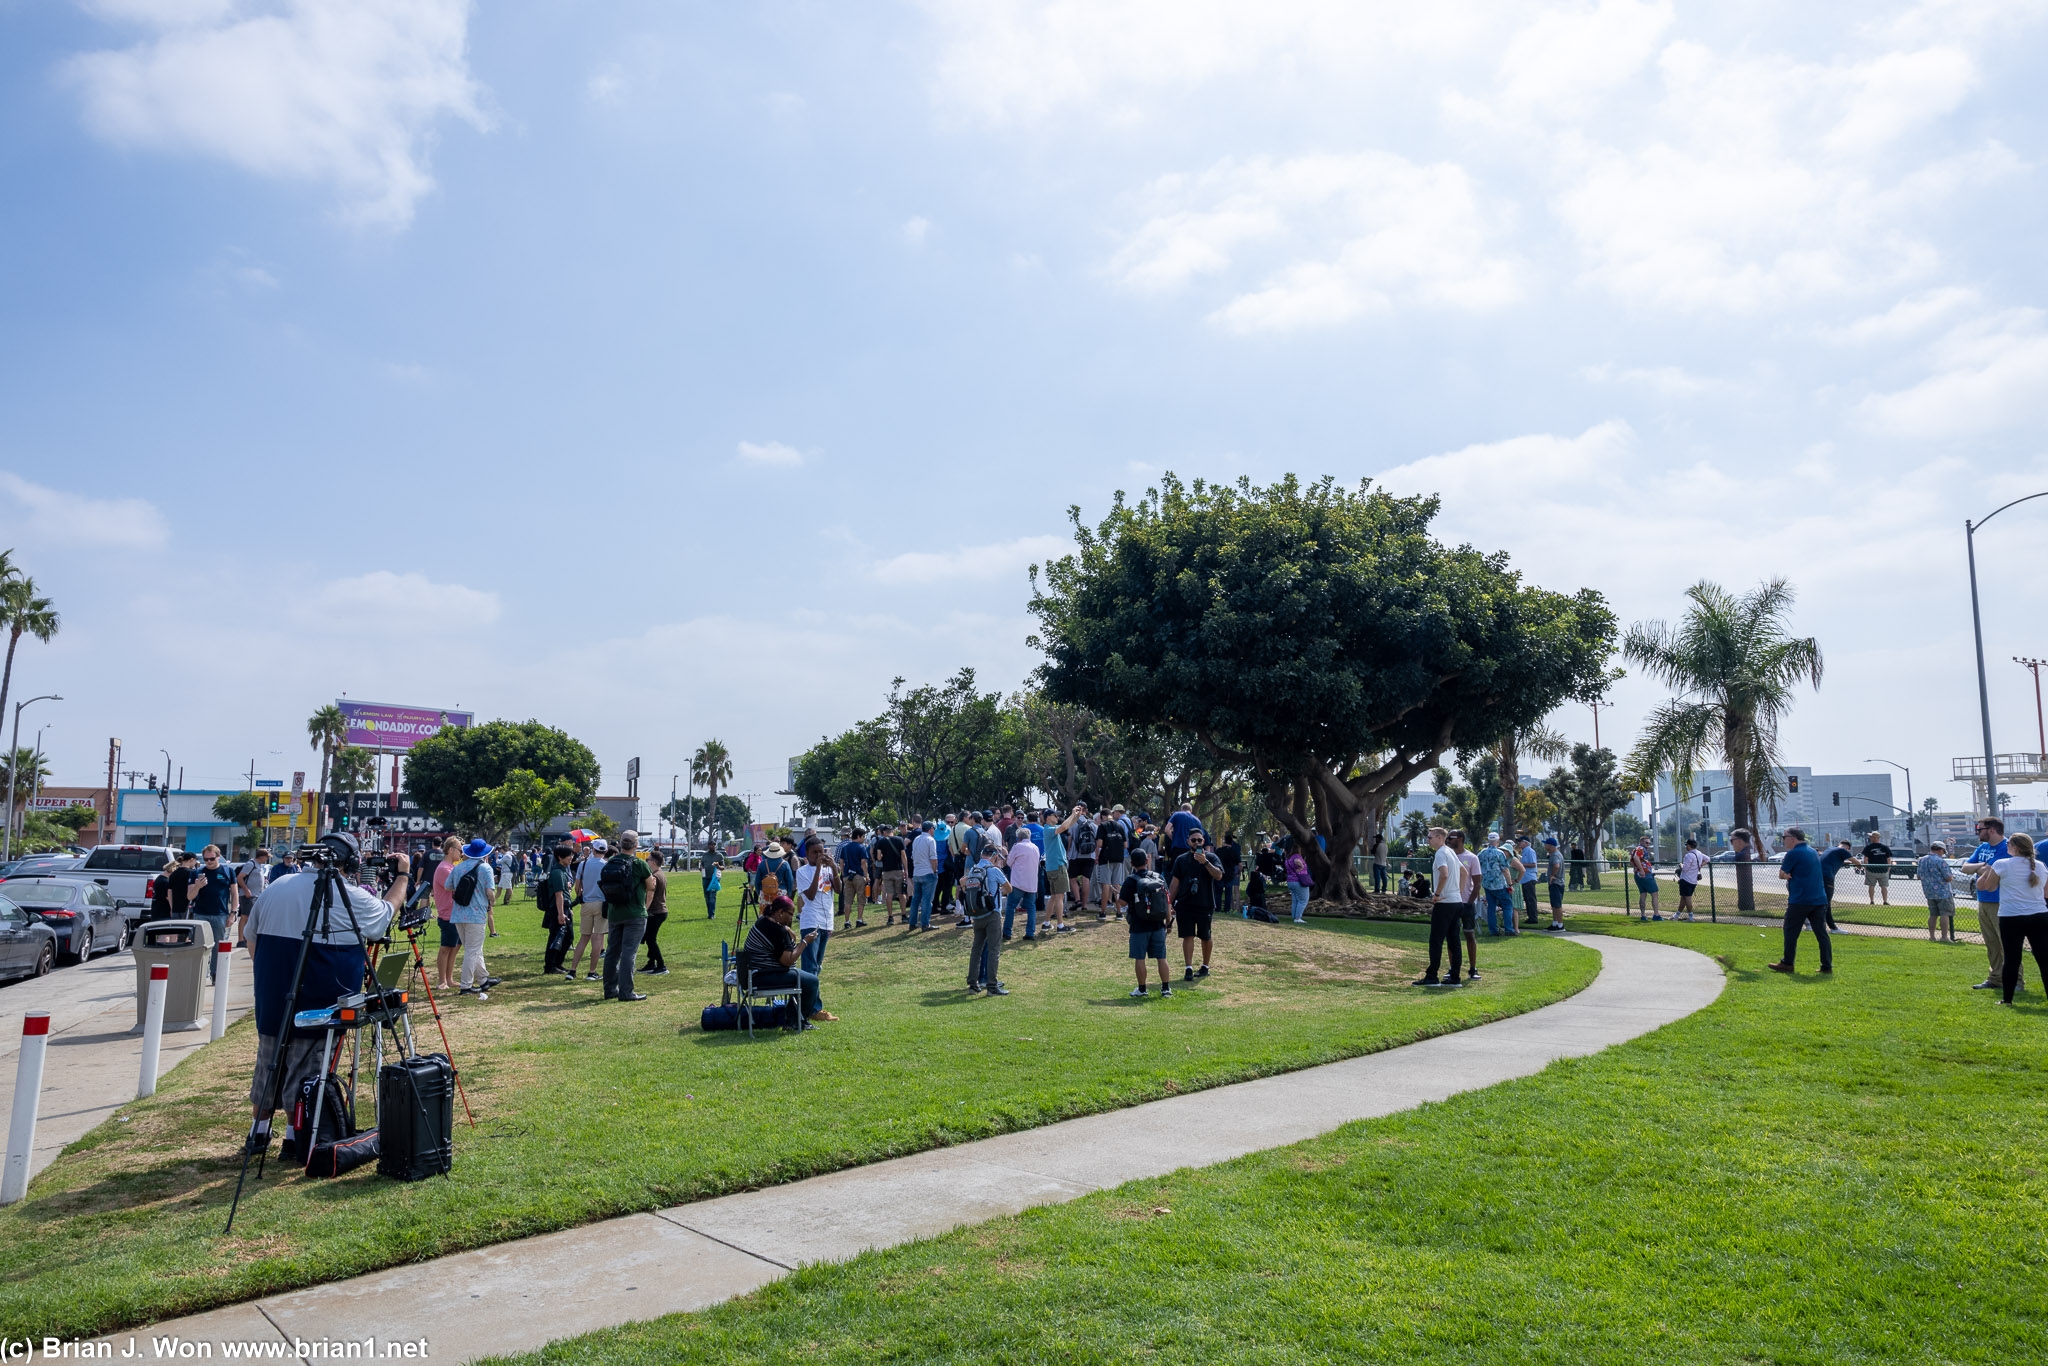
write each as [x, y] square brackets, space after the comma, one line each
[771, 954]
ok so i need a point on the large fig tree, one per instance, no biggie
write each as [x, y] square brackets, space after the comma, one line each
[1316, 637]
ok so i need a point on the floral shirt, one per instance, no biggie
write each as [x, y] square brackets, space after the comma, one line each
[1935, 877]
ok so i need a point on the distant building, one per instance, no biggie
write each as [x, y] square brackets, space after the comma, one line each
[1825, 806]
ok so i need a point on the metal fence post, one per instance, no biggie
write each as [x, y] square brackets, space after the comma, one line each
[1713, 911]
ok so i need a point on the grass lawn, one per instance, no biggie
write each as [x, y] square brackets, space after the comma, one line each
[1844, 1169]
[589, 1109]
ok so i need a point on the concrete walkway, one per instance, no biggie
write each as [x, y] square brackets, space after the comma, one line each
[95, 1053]
[1963, 936]
[518, 1296]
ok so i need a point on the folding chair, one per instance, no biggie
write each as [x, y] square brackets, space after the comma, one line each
[742, 980]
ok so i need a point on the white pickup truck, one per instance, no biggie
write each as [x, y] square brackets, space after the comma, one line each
[128, 872]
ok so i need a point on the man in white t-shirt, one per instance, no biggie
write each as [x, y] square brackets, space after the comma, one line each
[1447, 908]
[1692, 867]
[817, 886]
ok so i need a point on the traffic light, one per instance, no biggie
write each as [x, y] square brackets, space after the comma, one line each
[1838, 798]
[1793, 780]
[273, 803]
[1706, 796]
[152, 782]
[344, 820]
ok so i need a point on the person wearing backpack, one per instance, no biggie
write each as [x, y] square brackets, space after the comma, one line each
[624, 882]
[713, 863]
[471, 889]
[983, 888]
[1148, 912]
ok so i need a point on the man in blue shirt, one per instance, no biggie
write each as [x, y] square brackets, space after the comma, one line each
[853, 880]
[1806, 901]
[1991, 831]
[1179, 825]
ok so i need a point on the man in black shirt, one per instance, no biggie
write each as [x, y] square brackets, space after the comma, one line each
[1148, 912]
[1877, 869]
[1192, 891]
[771, 954]
[1110, 854]
[889, 875]
[1232, 858]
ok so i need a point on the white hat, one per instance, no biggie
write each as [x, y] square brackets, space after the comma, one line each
[600, 846]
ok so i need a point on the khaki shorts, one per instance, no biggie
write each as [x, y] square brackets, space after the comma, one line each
[855, 892]
[892, 886]
[1057, 883]
[1875, 877]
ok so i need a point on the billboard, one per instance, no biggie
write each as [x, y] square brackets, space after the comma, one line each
[394, 730]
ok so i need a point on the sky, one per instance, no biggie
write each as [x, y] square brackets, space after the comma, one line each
[674, 370]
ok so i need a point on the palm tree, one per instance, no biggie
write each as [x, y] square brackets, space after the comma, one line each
[1733, 664]
[22, 613]
[1537, 741]
[354, 768]
[711, 765]
[326, 727]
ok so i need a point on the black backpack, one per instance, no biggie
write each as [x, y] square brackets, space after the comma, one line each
[1083, 837]
[1149, 911]
[465, 886]
[615, 880]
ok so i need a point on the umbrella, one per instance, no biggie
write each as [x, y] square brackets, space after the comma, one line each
[580, 835]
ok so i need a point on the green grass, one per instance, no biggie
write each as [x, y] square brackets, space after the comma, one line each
[1844, 1169]
[590, 1109]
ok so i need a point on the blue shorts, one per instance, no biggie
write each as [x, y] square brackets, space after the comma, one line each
[1645, 884]
[451, 938]
[1148, 943]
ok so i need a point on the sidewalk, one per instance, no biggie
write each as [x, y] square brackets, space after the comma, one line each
[1843, 927]
[94, 1059]
[518, 1296]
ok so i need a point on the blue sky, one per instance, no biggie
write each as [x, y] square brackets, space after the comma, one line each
[669, 370]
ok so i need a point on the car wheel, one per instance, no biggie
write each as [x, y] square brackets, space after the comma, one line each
[84, 942]
[45, 961]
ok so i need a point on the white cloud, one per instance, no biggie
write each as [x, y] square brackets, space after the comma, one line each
[1336, 237]
[338, 92]
[971, 563]
[384, 600]
[1906, 318]
[1666, 381]
[915, 230]
[770, 453]
[1988, 374]
[607, 86]
[53, 517]
[1567, 58]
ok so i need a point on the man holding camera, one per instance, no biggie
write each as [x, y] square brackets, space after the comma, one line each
[1191, 891]
[273, 933]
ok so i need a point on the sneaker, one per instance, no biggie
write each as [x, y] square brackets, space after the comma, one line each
[1985, 986]
[1164, 991]
[1425, 982]
[594, 977]
[974, 988]
[999, 990]
[568, 976]
[632, 996]
[1556, 926]
[490, 982]
[1190, 975]
[1064, 929]
[654, 972]
[860, 924]
[1139, 993]
[1656, 917]
[1471, 977]
[1202, 971]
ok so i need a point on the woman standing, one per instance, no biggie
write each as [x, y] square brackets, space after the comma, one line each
[1297, 884]
[444, 906]
[712, 864]
[657, 911]
[2021, 881]
[1265, 868]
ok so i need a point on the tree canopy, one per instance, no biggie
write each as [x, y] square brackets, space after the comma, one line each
[445, 771]
[523, 805]
[1317, 637]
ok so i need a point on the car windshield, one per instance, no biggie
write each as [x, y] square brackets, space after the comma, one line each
[126, 861]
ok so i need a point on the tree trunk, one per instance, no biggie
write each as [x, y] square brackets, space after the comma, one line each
[320, 802]
[1593, 856]
[1510, 787]
[7, 683]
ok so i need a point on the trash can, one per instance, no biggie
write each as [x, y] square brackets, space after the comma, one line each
[183, 946]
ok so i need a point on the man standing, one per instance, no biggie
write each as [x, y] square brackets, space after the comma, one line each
[853, 863]
[1111, 850]
[1806, 901]
[1148, 910]
[1052, 841]
[469, 913]
[1470, 862]
[657, 915]
[1078, 830]
[555, 916]
[1691, 867]
[590, 896]
[816, 888]
[1991, 847]
[1180, 825]
[627, 882]
[1447, 907]
[1191, 892]
[1553, 864]
[1023, 860]
[250, 880]
[1231, 855]
[1494, 883]
[889, 868]
[1939, 884]
[1525, 855]
[1379, 864]
[924, 876]
[1877, 869]
[1832, 863]
[213, 898]
[1645, 873]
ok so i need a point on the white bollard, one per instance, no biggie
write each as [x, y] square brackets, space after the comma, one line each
[223, 954]
[153, 1028]
[28, 1092]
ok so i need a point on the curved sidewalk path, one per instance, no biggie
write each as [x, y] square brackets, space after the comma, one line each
[517, 1296]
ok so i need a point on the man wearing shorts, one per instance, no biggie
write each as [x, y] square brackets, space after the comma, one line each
[1148, 910]
[853, 880]
[1112, 853]
[591, 897]
[1470, 862]
[1877, 869]
[889, 871]
[1553, 863]
[1191, 892]
[1078, 830]
[1938, 882]
[1691, 865]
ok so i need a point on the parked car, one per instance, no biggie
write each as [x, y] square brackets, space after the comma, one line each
[129, 873]
[81, 914]
[39, 863]
[28, 947]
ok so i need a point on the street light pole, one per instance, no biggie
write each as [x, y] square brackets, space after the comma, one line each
[163, 797]
[1909, 789]
[14, 770]
[2033, 666]
[1970, 530]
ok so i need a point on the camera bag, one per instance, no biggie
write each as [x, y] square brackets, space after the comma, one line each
[416, 1117]
[336, 1120]
[344, 1155]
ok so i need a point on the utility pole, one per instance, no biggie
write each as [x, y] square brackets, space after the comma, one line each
[163, 796]
[1596, 723]
[113, 776]
[252, 775]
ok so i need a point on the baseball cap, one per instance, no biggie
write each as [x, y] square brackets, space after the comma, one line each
[599, 845]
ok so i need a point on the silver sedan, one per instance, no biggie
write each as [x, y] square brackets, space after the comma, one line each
[81, 914]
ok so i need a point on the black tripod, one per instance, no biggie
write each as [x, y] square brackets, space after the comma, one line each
[319, 920]
[411, 930]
